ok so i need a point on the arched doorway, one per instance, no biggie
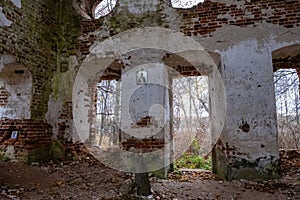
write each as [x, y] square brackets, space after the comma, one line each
[286, 65]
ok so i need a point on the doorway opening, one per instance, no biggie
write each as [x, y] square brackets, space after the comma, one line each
[286, 64]
[108, 112]
[288, 108]
[191, 115]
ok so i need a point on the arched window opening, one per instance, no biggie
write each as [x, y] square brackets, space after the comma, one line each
[185, 3]
[286, 65]
[104, 8]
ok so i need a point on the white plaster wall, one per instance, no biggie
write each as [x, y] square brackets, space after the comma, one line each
[250, 99]
[248, 78]
[62, 84]
[140, 6]
[17, 3]
[157, 103]
[6, 59]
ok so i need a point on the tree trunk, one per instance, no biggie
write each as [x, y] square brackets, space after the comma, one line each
[143, 184]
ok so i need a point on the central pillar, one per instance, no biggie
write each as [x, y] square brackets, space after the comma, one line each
[145, 119]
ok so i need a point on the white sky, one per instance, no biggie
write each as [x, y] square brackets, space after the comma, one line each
[185, 3]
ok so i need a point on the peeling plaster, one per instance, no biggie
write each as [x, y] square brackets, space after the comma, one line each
[63, 82]
[139, 7]
[17, 3]
[17, 80]
[3, 20]
[6, 59]
[228, 36]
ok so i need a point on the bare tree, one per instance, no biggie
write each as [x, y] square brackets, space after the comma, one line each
[190, 106]
[287, 104]
[108, 112]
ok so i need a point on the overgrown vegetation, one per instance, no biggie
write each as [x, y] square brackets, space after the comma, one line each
[3, 157]
[192, 161]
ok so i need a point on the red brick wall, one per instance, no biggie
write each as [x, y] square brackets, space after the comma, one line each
[3, 96]
[32, 136]
[210, 16]
[145, 145]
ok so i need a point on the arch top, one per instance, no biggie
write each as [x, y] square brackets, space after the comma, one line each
[287, 51]
[151, 38]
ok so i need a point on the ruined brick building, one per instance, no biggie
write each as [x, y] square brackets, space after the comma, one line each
[44, 44]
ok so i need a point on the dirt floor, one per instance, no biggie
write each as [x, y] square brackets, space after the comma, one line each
[89, 179]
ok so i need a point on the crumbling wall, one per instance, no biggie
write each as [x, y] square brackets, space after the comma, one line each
[28, 39]
[247, 147]
[244, 33]
[26, 68]
[52, 41]
[25, 140]
[210, 16]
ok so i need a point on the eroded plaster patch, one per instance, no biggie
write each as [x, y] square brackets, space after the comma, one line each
[17, 3]
[3, 20]
[6, 59]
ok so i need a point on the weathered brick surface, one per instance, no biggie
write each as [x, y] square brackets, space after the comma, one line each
[3, 96]
[65, 123]
[31, 46]
[32, 135]
[41, 37]
[209, 16]
[203, 19]
[145, 145]
[44, 33]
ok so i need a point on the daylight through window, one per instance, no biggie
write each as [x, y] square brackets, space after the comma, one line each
[185, 3]
[104, 8]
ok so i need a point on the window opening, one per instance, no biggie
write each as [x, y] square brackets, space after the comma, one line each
[104, 8]
[191, 113]
[287, 106]
[185, 3]
[108, 113]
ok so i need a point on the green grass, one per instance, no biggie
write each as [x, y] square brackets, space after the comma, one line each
[192, 161]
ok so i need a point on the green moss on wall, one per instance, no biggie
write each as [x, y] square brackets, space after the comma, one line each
[56, 151]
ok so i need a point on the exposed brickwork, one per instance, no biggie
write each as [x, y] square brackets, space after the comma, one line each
[31, 46]
[145, 145]
[32, 135]
[87, 27]
[209, 16]
[205, 19]
[44, 33]
[4, 95]
[289, 62]
[46, 37]
[65, 122]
